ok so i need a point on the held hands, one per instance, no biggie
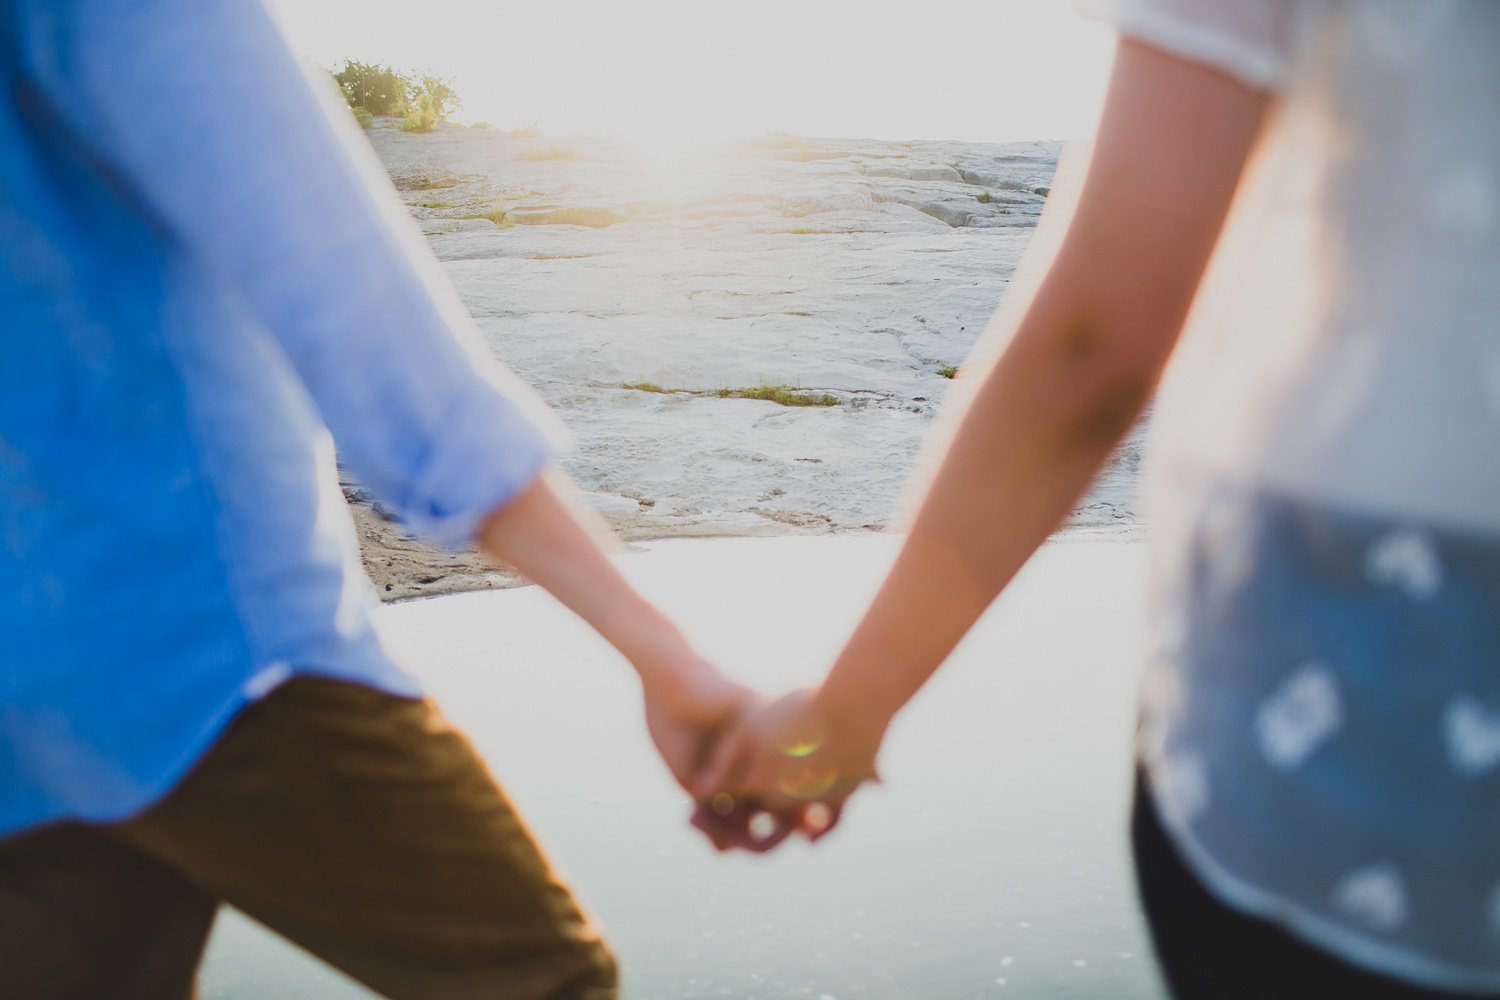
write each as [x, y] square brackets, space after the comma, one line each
[791, 760]
[786, 766]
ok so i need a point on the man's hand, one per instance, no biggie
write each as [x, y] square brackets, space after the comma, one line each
[688, 711]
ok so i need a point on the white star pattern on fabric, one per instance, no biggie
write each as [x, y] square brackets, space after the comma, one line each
[1299, 716]
[1471, 734]
[1405, 559]
[1375, 896]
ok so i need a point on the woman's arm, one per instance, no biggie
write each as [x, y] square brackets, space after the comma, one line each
[1081, 354]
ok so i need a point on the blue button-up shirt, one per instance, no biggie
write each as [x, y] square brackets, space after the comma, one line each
[203, 272]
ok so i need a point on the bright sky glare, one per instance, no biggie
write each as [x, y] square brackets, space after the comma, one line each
[979, 70]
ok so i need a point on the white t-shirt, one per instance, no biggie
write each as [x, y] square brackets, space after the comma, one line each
[1322, 708]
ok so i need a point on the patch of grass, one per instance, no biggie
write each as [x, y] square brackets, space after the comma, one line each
[984, 197]
[806, 232]
[531, 130]
[570, 215]
[548, 152]
[948, 371]
[783, 394]
[497, 214]
[437, 204]
[483, 126]
[363, 116]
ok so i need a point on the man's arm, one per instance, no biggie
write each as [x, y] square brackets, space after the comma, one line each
[1081, 356]
[249, 164]
[688, 702]
[209, 119]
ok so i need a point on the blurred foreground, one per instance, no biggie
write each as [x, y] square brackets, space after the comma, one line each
[996, 849]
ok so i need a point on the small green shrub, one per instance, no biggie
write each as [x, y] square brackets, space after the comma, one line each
[420, 116]
[437, 204]
[985, 197]
[374, 89]
[531, 130]
[363, 116]
[378, 89]
[442, 99]
[486, 126]
[948, 371]
[644, 387]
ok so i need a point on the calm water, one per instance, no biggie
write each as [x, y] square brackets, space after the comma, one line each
[992, 863]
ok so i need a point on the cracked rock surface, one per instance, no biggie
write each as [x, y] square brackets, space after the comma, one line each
[852, 269]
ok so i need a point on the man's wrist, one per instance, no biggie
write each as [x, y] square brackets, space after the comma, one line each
[658, 651]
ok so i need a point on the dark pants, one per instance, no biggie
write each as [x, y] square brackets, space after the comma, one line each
[1208, 951]
[357, 824]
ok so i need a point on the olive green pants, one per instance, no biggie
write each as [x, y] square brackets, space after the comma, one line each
[358, 824]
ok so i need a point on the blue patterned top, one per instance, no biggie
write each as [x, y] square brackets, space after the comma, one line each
[1321, 708]
[203, 272]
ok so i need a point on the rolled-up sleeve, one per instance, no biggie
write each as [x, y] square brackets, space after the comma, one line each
[204, 111]
[1248, 39]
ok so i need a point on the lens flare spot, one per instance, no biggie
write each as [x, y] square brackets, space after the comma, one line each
[762, 826]
[722, 803]
[817, 817]
[806, 779]
[802, 748]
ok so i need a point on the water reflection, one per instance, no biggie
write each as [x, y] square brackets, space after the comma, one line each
[992, 863]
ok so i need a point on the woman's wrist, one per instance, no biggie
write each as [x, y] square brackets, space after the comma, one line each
[854, 718]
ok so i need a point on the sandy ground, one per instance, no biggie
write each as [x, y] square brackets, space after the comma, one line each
[602, 271]
[992, 862]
